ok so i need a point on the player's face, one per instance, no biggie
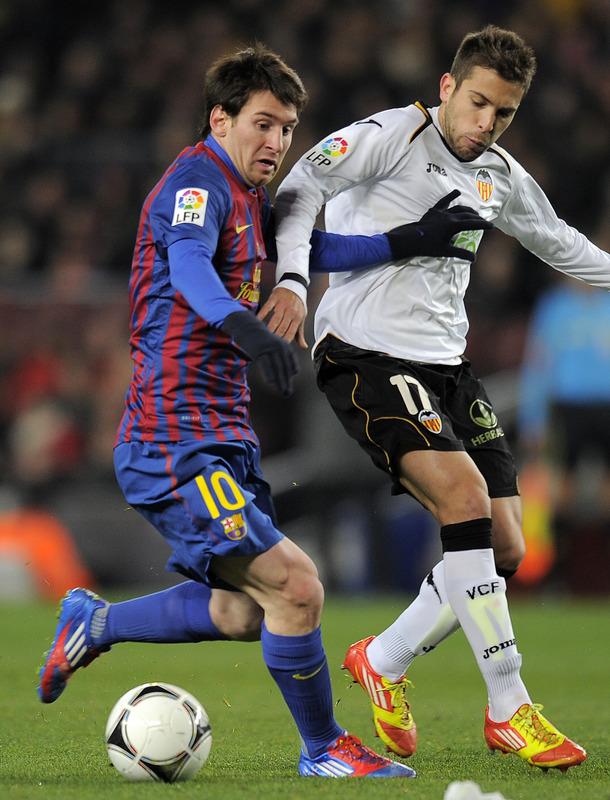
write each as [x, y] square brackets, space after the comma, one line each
[258, 138]
[477, 113]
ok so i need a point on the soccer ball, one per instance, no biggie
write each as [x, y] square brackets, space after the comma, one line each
[158, 732]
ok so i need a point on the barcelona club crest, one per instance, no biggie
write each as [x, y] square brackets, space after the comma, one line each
[235, 527]
[431, 420]
[485, 184]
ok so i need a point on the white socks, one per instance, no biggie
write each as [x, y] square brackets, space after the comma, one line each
[478, 597]
[465, 590]
[418, 630]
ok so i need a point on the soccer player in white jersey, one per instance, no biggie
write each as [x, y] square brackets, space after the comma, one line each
[389, 354]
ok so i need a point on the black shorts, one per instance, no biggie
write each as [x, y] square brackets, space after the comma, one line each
[391, 406]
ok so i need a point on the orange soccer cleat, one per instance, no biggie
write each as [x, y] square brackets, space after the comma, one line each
[391, 712]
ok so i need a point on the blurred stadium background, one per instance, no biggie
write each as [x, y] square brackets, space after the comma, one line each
[96, 99]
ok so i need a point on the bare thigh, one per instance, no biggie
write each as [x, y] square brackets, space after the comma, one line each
[449, 484]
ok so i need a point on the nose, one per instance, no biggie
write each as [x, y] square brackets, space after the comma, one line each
[487, 120]
[275, 140]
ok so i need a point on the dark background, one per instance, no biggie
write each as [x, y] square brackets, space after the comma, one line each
[96, 99]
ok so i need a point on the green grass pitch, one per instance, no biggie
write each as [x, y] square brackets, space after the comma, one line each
[58, 751]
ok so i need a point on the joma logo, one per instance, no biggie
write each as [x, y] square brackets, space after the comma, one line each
[489, 651]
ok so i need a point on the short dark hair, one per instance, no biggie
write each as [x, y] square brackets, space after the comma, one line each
[232, 79]
[494, 48]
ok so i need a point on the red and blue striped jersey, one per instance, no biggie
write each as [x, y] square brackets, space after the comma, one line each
[189, 379]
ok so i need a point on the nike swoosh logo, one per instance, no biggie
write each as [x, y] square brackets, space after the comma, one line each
[240, 228]
[297, 676]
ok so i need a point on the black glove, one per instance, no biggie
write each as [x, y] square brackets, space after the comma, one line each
[274, 355]
[432, 235]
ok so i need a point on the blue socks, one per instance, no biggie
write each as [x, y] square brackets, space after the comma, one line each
[178, 614]
[181, 614]
[299, 667]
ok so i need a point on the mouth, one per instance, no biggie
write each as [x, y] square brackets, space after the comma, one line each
[476, 144]
[267, 163]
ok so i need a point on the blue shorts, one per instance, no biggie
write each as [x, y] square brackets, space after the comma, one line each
[205, 499]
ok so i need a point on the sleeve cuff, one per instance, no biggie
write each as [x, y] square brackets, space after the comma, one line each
[295, 286]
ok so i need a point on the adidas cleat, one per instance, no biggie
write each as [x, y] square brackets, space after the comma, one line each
[528, 734]
[73, 647]
[394, 724]
[347, 757]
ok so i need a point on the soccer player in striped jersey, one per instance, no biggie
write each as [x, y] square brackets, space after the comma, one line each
[186, 455]
[390, 358]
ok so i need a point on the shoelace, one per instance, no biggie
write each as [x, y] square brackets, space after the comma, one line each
[398, 695]
[352, 747]
[536, 726]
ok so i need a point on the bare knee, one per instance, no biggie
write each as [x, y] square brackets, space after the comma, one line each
[236, 615]
[461, 501]
[294, 595]
[303, 589]
[283, 581]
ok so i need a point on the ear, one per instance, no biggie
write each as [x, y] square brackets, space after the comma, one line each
[220, 121]
[447, 86]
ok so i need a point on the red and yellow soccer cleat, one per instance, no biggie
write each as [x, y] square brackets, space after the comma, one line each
[531, 736]
[391, 712]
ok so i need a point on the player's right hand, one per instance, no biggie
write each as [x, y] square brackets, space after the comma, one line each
[273, 354]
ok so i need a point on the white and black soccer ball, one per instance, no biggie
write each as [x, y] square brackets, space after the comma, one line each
[158, 732]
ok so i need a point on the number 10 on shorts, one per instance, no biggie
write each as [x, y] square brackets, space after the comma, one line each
[220, 490]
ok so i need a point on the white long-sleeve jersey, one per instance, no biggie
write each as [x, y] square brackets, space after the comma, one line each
[390, 169]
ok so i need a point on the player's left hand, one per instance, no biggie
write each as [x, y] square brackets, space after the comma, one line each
[285, 315]
[433, 234]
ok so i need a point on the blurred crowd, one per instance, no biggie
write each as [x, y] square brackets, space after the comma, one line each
[97, 98]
